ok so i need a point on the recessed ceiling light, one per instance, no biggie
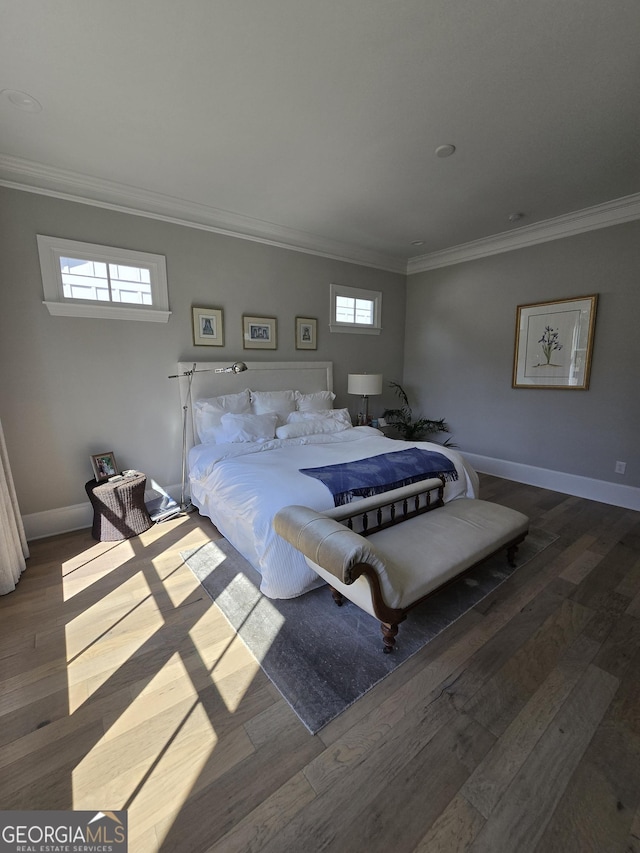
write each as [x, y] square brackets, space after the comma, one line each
[22, 100]
[445, 150]
[515, 217]
[417, 242]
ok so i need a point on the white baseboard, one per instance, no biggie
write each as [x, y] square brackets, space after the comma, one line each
[61, 520]
[570, 484]
[65, 519]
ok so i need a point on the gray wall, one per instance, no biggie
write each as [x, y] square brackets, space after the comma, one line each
[459, 343]
[70, 387]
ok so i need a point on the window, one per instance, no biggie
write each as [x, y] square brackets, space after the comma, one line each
[87, 280]
[355, 310]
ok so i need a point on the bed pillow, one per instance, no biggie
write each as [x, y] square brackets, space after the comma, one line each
[208, 413]
[340, 415]
[280, 402]
[315, 425]
[236, 428]
[317, 402]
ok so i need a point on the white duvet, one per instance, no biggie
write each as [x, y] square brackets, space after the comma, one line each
[240, 487]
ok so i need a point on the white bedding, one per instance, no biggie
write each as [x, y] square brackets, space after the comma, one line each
[240, 487]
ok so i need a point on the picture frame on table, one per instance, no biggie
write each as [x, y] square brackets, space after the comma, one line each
[259, 333]
[104, 466]
[306, 333]
[208, 327]
[554, 344]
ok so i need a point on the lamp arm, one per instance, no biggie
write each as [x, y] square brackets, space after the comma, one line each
[236, 367]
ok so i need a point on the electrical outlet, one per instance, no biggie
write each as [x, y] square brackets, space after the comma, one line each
[620, 467]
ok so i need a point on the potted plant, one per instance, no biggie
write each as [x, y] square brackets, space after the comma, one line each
[412, 429]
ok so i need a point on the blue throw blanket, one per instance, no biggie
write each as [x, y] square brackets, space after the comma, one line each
[376, 474]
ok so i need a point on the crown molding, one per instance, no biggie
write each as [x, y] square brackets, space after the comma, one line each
[26, 175]
[591, 218]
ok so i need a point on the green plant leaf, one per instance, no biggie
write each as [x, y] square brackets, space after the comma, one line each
[410, 429]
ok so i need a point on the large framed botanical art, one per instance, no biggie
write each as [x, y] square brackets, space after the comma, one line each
[554, 342]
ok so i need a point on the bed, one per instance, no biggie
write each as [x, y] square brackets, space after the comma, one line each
[241, 484]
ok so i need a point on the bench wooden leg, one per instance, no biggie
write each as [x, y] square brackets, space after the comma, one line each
[511, 555]
[338, 597]
[388, 637]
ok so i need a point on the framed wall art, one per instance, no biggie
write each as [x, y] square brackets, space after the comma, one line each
[259, 333]
[104, 465]
[208, 330]
[306, 333]
[554, 343]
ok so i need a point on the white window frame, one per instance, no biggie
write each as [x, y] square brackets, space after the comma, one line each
[356, 293]
[51, 249]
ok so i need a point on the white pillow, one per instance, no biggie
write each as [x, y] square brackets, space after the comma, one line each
[314, 426]
[208, 413]
[246, 427]
[340, 415]
[317, 402]
[280, 402]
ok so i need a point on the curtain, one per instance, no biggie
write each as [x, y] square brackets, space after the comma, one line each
[13, 542]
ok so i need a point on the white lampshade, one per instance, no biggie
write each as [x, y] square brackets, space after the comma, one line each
[364, 384]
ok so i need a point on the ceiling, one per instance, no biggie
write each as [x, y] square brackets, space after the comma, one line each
[314, 123]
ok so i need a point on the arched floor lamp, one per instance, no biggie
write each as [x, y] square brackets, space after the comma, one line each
[237, 367]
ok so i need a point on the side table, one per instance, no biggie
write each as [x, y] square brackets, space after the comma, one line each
[119, 511]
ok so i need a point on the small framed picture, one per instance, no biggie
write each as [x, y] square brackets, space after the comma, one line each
[207, 327]
[104, 465]
[259, 333]
[306, 333]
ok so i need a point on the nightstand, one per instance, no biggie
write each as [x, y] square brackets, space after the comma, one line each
[119, 511]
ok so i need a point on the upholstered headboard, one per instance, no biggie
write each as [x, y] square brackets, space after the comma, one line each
[305, 376]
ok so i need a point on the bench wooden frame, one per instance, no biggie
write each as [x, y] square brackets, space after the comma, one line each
[356, 518]
[310, 531]
[390, 619]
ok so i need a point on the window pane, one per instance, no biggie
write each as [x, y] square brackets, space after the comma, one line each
[364, 311]
[130, 284]
[84, 279]
[126, 294]
[76, 266]
[127, 273]
[345, 309]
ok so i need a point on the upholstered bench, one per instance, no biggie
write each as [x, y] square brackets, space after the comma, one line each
[390, 552]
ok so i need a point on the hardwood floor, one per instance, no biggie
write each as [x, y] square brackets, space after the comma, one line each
[517, 729]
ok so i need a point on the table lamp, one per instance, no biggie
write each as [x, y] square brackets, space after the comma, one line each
[365, 385]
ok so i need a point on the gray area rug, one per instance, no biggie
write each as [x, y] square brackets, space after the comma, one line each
[321, 657]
